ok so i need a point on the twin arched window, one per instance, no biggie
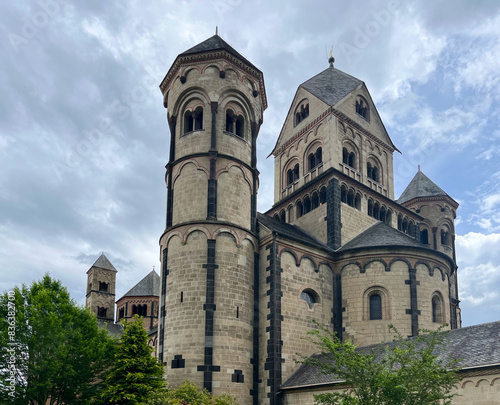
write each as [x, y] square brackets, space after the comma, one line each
[102, 312]
[315, 159]
[235, 124]
[348, 158]
[292, 175]
[103, 286]
[373, 172]
[193, 120]
[301, 113]
[362, 108]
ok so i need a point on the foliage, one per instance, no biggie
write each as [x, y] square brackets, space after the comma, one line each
[189, 394]
[52, 350]
[404, 372]
[135, 374]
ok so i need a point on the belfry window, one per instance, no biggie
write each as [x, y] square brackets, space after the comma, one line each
[101, 312]
[362, 108]
[103, 286]
[372, 172]
[193, 120]
[234, 123]
[315, 159]
[348, 158]
[375, 306]
[292, 175]
[301, 113]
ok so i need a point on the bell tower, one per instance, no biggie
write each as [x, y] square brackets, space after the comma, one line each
[101, 284]
[208, 323]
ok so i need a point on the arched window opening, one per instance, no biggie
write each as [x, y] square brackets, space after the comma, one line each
[292, 175]
[239, 124]
[357, 201]
[121, 313]
[307, 205]
[388, 217]
[437, 309]
[375, 306]
[188, 122]
[383, 214]
[198, 118]
[302, 113]
[352, 160]
[103, 286]
[322, 195]
[134, 309]
[299, 210]
[343, 194]
[411, 228]
[310, 297]
[345, 156]
[282, 216]
[314, 200]
[362, 108]
[424, 236]
[372, 172]
[370, 208]
[400, 222]
[376, 211]
[276, 216]
[404, 227]
[101, 312]
[350, 198]
[445, 237]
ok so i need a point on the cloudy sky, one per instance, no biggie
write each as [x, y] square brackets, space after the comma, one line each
[84, 138]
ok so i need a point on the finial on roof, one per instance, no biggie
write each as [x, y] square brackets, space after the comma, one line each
[331, 59]
[216, 30]
[418, 167]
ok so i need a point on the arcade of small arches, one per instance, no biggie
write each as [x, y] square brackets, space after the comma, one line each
[141, 310]
[303, 205]
[292, 170]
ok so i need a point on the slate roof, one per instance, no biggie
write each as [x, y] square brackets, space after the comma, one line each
[216, 43]
[103, 263]
[381, 235]
[292, 232]
[476, 346]
[421, 186]
[149, 285]
[114, 329]
[331, 85]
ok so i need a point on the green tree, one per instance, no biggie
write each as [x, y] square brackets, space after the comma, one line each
[135, 374]
[189, 394]
[402, 372]
[52, 350]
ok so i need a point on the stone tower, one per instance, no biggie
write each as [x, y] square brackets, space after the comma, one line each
[209, 250]
[101, 284]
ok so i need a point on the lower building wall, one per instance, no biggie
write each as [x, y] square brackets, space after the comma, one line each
[354, 222]
[479, 390]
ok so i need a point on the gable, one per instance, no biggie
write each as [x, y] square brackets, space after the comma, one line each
[370, 120]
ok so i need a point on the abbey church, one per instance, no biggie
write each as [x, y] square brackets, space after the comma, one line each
[238, 289]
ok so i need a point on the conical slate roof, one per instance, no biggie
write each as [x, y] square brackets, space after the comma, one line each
[421, 186]
[149, 285]
[104, 263]
[331, 85]
[381, 235]
[216, 43]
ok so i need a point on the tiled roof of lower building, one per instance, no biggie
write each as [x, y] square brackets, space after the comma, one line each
[475, 347]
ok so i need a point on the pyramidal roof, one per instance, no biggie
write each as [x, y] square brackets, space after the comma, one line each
[381, 235]
[149, 285]
[216, 43]
[331, 85]
[421, 186]
[104, 263]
